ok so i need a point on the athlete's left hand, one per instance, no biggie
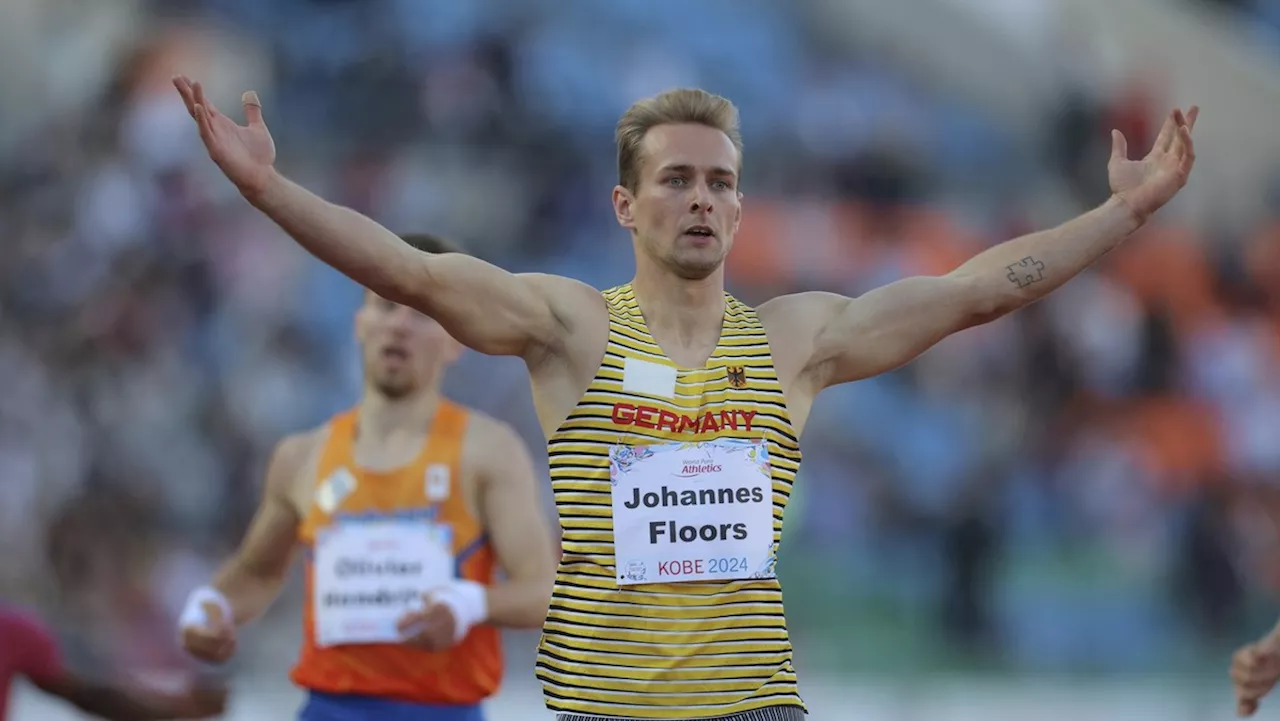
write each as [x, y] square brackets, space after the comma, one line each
[1145, 185]
[431, 628]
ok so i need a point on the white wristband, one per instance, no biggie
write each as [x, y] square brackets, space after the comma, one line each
[469, 602]
[193, 613]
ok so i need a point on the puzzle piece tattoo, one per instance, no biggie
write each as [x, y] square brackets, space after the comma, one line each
[1025, 272]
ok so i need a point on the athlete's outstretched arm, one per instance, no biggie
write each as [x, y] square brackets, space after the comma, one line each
[513, 518]
[484, 307]
[845, 339]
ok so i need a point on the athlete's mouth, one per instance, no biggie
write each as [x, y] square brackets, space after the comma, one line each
[395, 353]
[700, 231]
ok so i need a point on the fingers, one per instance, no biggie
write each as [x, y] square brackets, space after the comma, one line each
[193, 97]
[1172, 127]
[201, 100]
[1187, 150]
[1171, 132]
[1253, 673]
[410, 624]
[205, 124]
[252, 108]
[423, 636]
[211, 643]
[198, 92]
[184, 90]
[1167, 131]
[420, 629]
[1119, 146]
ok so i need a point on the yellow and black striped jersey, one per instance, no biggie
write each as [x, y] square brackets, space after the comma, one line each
[665, 651]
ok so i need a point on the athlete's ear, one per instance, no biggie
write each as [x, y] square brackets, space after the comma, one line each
[737, 214]
[623, 205]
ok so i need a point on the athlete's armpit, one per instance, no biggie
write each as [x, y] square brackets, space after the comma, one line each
[251, 579]
[513, 518]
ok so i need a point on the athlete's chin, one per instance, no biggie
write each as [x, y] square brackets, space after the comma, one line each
[393, 387]
[691, 267]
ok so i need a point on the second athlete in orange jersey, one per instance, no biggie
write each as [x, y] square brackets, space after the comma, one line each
[405, 508]
[371, 537]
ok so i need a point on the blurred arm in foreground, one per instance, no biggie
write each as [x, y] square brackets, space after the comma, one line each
[30, 650]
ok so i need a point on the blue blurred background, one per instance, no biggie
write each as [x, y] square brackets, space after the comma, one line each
[1071, 512]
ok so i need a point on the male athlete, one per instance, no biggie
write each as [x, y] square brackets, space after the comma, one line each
[673, 411]
[28, 649]
[404, 505]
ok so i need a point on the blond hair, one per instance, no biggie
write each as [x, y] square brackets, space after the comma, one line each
[683, 105]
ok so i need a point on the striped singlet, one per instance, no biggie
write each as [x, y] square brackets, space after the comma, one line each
[665, 651]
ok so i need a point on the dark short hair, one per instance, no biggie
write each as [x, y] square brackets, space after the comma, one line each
[428, 243]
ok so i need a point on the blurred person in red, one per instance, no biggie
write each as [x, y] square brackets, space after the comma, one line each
[28, 649]
[407, 506]
[672, 410]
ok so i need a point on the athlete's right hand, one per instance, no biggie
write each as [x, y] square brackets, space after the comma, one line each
[245, 153]
[1255, 669]
[212, 639]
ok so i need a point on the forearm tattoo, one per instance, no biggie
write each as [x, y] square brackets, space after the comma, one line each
[1025, 272]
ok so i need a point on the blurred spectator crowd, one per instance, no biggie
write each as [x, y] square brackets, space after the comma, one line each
[1088, 483]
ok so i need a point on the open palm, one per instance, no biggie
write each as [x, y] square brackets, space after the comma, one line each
[245, 153]
[1147, 184]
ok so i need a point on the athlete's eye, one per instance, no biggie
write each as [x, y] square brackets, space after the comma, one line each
[676, 181]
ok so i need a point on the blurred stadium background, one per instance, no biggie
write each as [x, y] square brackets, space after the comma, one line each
[1071, 513]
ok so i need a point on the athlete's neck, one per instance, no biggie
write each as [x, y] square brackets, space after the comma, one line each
[381, 416]
[690, 310]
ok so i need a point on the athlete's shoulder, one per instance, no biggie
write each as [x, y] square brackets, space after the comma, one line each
[491, 442]
[799, 313]
[294, 452]
[303, 443]
[483, 428]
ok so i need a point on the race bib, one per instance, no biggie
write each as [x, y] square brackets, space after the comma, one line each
[692, 512]
[367, 574]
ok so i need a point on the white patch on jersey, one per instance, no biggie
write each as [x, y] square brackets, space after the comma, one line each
[436, 482]
[334, 490]
[648, 378]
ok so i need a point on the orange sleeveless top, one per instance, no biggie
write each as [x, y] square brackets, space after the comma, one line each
[428, 488]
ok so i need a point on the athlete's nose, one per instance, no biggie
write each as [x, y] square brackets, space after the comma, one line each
[701, 202]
